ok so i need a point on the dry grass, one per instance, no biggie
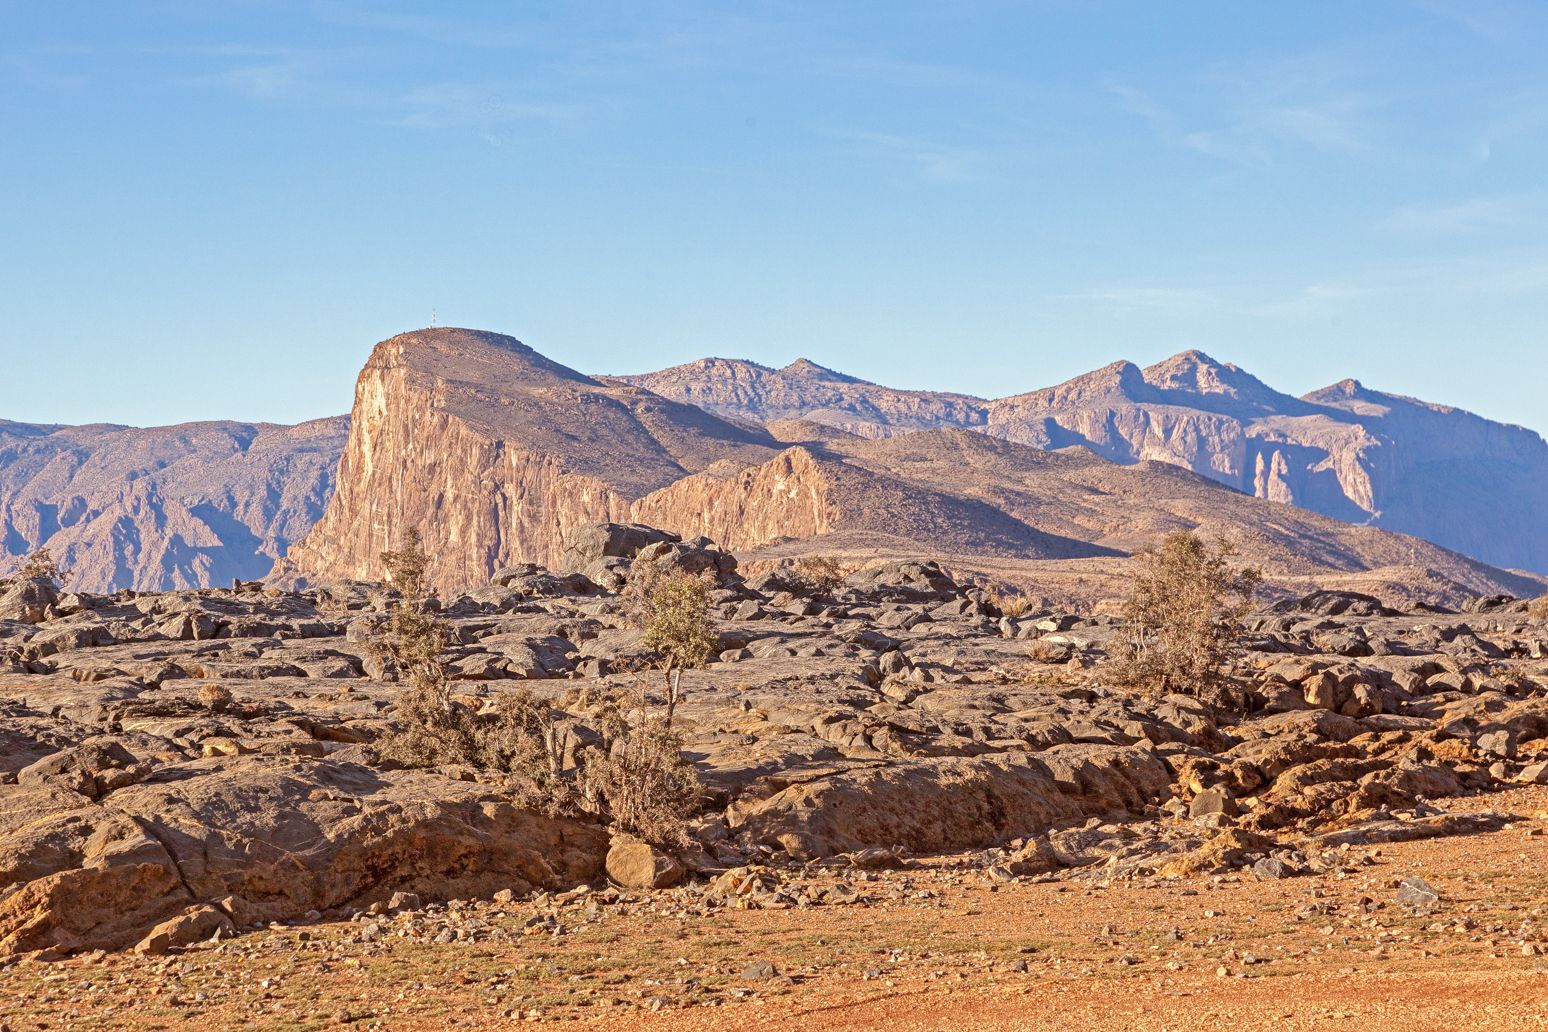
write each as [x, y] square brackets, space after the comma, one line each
[214, 697]
[1009, 602]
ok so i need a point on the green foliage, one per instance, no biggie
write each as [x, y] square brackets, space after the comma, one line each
[678, 623]
[1182, 615]
[679, 628]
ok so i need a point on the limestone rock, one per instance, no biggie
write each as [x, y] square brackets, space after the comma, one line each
[638, 865]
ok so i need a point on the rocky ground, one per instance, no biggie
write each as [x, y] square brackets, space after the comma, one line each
[938, 944]
[902, 785]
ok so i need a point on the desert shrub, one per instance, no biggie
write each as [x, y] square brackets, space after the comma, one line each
[430, 729]
[524, 739]
[1009, 602]
[639, 777]
[41, 565]
[822, 572]
[1182, 616]
[1538, 609]
[636, 775]
[679, 629]
[214, 697]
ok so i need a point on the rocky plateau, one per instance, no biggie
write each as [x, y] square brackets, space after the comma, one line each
[181, 767]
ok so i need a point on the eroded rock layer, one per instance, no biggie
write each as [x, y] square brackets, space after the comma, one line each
[181, 766]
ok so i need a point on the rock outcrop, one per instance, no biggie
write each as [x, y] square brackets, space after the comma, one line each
[259, 839]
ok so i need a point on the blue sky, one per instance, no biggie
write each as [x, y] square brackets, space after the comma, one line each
[213, 209]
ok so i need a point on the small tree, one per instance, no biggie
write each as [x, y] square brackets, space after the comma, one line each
[822, 572]
[1182, 615]
[40, 565]
[679, 628]
[639, 777]
[432, 730]
[407, 565]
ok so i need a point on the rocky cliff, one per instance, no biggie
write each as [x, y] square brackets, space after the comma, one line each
[163, 507]
[493, 452]
[1357, 455]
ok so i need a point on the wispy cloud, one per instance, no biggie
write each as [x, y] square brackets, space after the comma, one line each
[1248, 115]
[1495, 20]
[934, 162]
[1172, 299]
[1316, 301]
[1471, 216]
[453, 105]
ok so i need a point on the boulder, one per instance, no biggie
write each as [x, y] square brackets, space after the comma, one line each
[908, 581]
[634, 864]
[197, 924]
[590, 542]
[28, 600]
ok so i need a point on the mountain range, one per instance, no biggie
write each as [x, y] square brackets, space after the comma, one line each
[163, 507]
[1346, 451]
[492, 451]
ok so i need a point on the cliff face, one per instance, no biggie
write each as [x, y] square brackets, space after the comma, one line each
[1357, 455]
[163, 508]
[786, 497]
[492, 451]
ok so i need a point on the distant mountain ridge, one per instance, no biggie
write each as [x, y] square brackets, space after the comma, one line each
[163, 507]
[492, 452]
[1362, 456]
[472, 426]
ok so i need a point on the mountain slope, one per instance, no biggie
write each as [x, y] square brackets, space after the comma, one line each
[492, 452]
[1449, 476]
[162, 508]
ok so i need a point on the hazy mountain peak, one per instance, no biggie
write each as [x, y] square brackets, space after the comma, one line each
[1346, 388]
[807, 369]
[1122, 378]
[1198, 373]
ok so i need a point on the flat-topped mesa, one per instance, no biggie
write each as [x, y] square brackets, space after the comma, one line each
[491, 450]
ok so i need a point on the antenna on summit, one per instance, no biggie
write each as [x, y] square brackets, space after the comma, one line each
[432, 317]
